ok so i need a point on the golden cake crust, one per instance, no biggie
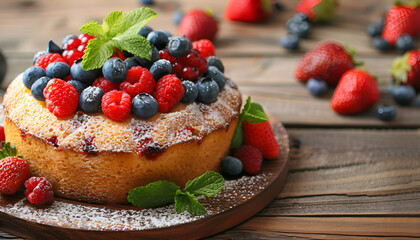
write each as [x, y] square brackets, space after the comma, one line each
[89, 157]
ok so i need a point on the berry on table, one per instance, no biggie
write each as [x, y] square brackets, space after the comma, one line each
[179, 46]
[37, 89]
[31, 75]
[177, 16]
[116, 105]
[405, 43]
[58, 70]
[114, 70]
[208, 90]
[380, 43]
[61, 98]
[198, 24]
[144, 105]
[144, 31]
[139, 80]
[300, 29]
[290, 42]
[105, 85]
[205, 47]
[386, 112]
[80, 86]
[215, 61]
[86, 77]
[147, 2]
[375, 29]
[90, 99]
[160, 68]
[158, 38]
[261, 136]
[13, 173]
[404, 95]
[39, 191]
[317, 87]
[217, 76]
[231, 166]
[44, 60]
[251, 158]
[190, 92]
[168, 93]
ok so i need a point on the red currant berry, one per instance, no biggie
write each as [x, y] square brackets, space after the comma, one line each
[192, 58]
[73, 43]
[164, 54]
[81, 47]
[72, 56]
[203, 65]
[177, 68]
[189, 73]
[84, 38]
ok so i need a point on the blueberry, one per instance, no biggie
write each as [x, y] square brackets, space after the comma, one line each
[114, 70]
[190, 93]
[380, 43]
[67, 38]
[290, 42]
[386, 112]
[160, 68]
[214, 73]
[130, 62]
[405, 43]
[215, 61]
[300, 29]
[144, 105]
[144, 31]
[374, 29]
[80, 86]
[179, 46]
[300, 17]
[86, 77]
[177, 17]
[168, 34]
[207, 90]
[231, 166]
[403, 95]
[37, 55]
[147, 2]
[127, 54]
[148, 63]
[37, 89]
[158, 39]
[54, 48]
[90, 99]
[31, 75]
[316, 87]
[279, 6]
[58, 70]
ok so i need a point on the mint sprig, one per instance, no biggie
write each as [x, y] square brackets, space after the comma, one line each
[160, 193]
[252, 113]
[119, 31]
[8, 150]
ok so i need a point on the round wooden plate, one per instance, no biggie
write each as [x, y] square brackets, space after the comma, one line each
[240, 199]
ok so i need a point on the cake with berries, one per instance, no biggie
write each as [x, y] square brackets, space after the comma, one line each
[97, 117]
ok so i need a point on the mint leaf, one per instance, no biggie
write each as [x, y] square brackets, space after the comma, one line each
[92, 28]
[8, 150]
[112, 22]
[154, 194]
[208, 184]
[181, 201]
[136, 19]
[253, 112]
[97, 53]
[194, 207]
[135, 44]
[238, 136]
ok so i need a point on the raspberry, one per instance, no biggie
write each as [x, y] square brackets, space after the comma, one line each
[169, 91]
[191, 59]
[189, 73]
[72, 43]
[250, 157]
[138, 80]
[44, 60]
[164, 54]
[61, 98]
[116, 105]
[203, 65]
[71, 56]
[205, 47]
[39, 191]
[13, 173]
[105, 85]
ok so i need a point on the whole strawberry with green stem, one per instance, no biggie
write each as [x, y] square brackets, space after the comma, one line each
[13, 170]
[254, 129]
[327, 61]
[356, 91]
[403, 17]
[248, 10]
[318, 10]
[406, 69]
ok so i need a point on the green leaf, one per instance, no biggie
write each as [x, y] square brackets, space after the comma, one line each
[400, 68]
[8, 150]
[112, 22]
[136, 19]
[194, 207]
[92, 28]
[97, 52]
[253, 112]
[238, 136]
[135, 44]
[154, 194]
[208, 184]
[181, 201]
[325, 10]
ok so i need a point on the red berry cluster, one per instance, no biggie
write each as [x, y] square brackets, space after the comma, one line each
[75, 47]
[188, 67]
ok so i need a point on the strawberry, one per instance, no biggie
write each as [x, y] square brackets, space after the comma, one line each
[357, 91]
[251, 158]
[327, 61]
[318, 10]
[248, 10]
[13, 173]
[198, 24]
[406, 69]
[401, 19]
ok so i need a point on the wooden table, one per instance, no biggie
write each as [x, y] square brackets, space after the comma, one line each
[350, 176]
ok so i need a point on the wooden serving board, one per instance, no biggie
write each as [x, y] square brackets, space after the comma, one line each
[240, 199]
